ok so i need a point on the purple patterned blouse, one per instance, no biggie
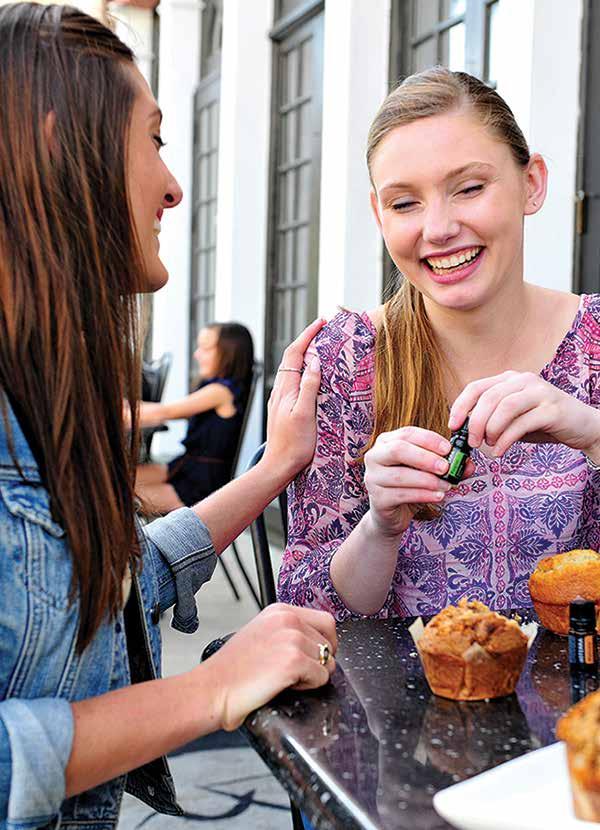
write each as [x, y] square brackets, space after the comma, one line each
[538, 499]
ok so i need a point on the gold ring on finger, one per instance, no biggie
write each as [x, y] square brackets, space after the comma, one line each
[286, 369]
[324, 653]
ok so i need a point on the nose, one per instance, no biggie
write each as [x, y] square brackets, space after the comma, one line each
[439, 225]
[173, 195]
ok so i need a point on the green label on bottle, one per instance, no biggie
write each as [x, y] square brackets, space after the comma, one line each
[457, 464]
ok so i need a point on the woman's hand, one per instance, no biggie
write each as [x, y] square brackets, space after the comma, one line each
[517, 406]
[278, 649]
[291, 426]
[402, 472]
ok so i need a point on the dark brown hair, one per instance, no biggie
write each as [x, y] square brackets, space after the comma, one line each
[409, 369]
[70, 267]
[236, 351]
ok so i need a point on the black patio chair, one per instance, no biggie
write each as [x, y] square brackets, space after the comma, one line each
[260, 542]
[256, 376]
[154, 378]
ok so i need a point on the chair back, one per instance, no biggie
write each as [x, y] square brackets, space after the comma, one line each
[260, 542]
[154, 377]
[257, 370]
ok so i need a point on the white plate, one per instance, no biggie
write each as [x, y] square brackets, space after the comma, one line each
[531, 792]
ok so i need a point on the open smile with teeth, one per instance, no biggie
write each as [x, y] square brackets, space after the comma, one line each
[444, 265]
[156, 226]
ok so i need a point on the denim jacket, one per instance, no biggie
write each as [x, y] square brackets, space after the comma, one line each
[40, 670]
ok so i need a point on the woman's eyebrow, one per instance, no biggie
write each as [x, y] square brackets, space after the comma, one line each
[473, 168]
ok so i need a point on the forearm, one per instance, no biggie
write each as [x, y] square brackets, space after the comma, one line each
[119, 731]
[229, 510]
[363, 566]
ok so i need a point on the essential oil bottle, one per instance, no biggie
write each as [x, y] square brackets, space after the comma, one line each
[583, 649]
[458, 455]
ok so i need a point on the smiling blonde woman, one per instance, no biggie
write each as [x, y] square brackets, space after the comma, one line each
[452, 183]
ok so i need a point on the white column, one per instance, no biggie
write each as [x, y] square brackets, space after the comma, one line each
[539, 78]
[553, 126]
[242, 206]
[355, 83]
[179, 56]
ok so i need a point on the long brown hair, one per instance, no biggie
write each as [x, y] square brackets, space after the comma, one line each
[236, 351]
[409, 369]
[70, 267]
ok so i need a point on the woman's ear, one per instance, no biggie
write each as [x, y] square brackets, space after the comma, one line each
[375, 208]
[536, 184]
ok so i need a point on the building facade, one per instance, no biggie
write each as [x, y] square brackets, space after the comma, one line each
[267, 104]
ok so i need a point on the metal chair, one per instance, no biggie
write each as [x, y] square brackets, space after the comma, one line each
[260, 542]
[257, 370]
[154, 378]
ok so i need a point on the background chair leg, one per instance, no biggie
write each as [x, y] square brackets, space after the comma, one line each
[229, 578]
[247, 579]
[297, 823]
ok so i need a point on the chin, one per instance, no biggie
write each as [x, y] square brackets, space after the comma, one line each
[156, 277]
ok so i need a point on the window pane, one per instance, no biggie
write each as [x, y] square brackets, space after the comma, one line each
[452, 8]
[492, 52]
[452, 44]
[425, 55]
[297, 129]
[425, 15]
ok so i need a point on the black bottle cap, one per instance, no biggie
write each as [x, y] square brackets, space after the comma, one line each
[460, 437]
[582, 615]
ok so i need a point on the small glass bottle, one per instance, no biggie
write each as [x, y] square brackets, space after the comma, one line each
[583, 649]
[458, 455]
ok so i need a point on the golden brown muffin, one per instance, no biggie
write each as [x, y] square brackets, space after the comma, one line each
[560, 579]
[471, 653]
[579, 728]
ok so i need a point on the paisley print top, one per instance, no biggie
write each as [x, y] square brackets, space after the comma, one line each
[538, 499]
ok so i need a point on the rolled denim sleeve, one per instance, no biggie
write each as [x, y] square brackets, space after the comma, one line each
[36, 737]
[184, 560]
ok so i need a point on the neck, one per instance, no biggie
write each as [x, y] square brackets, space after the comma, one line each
[482, 342]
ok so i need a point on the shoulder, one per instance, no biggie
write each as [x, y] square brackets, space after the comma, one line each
[221, 388]
[587, 326]
[349, 335]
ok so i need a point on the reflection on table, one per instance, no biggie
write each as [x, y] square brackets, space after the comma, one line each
[372, 748]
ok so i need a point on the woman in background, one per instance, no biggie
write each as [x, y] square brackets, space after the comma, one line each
[215, 410]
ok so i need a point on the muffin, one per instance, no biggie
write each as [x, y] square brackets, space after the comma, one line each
[560, 579]
[579, 728]
[471, 653]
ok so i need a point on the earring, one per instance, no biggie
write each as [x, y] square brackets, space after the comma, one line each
[534, 203]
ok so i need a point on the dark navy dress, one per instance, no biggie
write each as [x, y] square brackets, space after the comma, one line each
[210, 446]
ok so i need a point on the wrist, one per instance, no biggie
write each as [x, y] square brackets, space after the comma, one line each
[380, 534]
[209, 683]
[277, 468]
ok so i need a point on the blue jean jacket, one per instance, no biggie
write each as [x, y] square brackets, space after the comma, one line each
[40, 671]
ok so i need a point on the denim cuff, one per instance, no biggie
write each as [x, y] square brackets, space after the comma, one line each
[40, 737]
[185, 543]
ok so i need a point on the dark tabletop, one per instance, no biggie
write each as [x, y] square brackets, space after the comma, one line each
[372, 748]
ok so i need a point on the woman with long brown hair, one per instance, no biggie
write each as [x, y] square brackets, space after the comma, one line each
[464, 335]
[82, 194]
